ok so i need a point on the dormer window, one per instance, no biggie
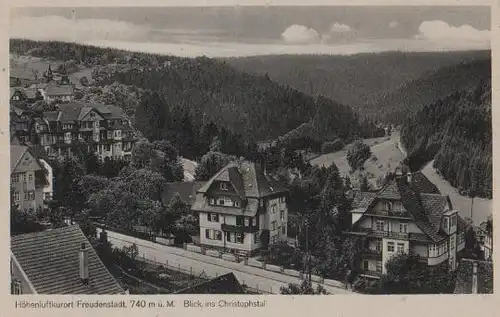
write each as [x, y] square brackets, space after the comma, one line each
[223, 186]
[445, 224]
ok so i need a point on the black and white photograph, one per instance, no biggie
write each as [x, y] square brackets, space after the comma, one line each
[286, 150]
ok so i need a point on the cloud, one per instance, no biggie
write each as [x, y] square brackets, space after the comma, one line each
[393, 24]
[440, 30]
[300, 34]
[340, 28]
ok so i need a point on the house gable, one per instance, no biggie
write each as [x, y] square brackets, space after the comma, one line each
[27, 162]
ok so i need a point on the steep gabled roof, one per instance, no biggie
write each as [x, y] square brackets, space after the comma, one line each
[16, 153]
[224, 284]
[50, 260]
[419, 197]
[247, 179]
[463, 284]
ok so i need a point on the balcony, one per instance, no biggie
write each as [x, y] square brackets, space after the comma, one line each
[240, 229]
[372, 254]
[385, 234]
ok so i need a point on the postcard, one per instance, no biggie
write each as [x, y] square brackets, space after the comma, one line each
[199, 159]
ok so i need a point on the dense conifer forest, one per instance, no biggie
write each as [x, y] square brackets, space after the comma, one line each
[456, 132]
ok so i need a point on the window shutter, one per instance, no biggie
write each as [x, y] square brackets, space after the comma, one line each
[207, 233]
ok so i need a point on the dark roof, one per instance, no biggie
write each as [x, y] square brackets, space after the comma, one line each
[362, 199]
[225, 284]
[419, 196]
[16, 153]
[427, 220]
[248, 180]
[421, 184]
[74, 111]
[463, 284]
[186, 191]
[50, 260]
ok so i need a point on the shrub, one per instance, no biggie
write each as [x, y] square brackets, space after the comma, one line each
[332, 146]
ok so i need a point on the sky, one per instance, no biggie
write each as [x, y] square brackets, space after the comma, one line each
[260, 30]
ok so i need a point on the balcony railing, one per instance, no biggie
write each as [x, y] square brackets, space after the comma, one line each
[372, 253]
[241, 229]
[385, 234]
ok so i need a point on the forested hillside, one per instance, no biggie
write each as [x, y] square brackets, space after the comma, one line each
[355, 80]
[396, 106]
[456, 132]
[190, 94]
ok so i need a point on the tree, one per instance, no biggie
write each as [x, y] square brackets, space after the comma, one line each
[151, 116]
[364, 184]
[211, 163]
[407, 274]
[305, 288]
[84, 81]
[357, 154]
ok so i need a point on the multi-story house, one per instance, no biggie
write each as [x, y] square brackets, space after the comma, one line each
[104, 129]
[28, 178]
[241, 210]
[407, 215]
[20, 124]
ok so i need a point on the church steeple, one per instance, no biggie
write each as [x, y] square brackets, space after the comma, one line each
[64, 76]
[48, 75]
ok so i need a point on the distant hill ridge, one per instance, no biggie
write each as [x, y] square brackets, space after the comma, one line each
[369, 82]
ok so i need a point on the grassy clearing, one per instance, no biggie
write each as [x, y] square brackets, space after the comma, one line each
[385, 157]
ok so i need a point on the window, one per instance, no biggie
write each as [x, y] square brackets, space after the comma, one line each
[282, 215]
[432, 250]
[247, 222]
[236, 203]
[365, 265]
[239, 237]
[230, 236]
[379, 266]
[16, 197]
[108, 147]
[256, 239]
[401, 247]
[454, 221]
[445, 223]
[213, 234]
[31, 195]
[390, 246]
[283, 229]
[211, 217]
[212, 201]
[254, 221]
[262, 203]
[15, 178]
[16, 287]
[282, 199]
[452, 243]
[221, 201]
[273, 225]
[273, 209]
[403, 227]
[239, 220]
[30, 178]
[388, 206]
[223, 186]
[47, 196]
[378, 246]
[379, 225]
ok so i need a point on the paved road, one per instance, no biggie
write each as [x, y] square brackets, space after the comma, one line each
[251, 276]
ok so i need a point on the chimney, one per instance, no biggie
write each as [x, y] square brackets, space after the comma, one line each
[474, 278]
[84, 264]
[408, 177]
